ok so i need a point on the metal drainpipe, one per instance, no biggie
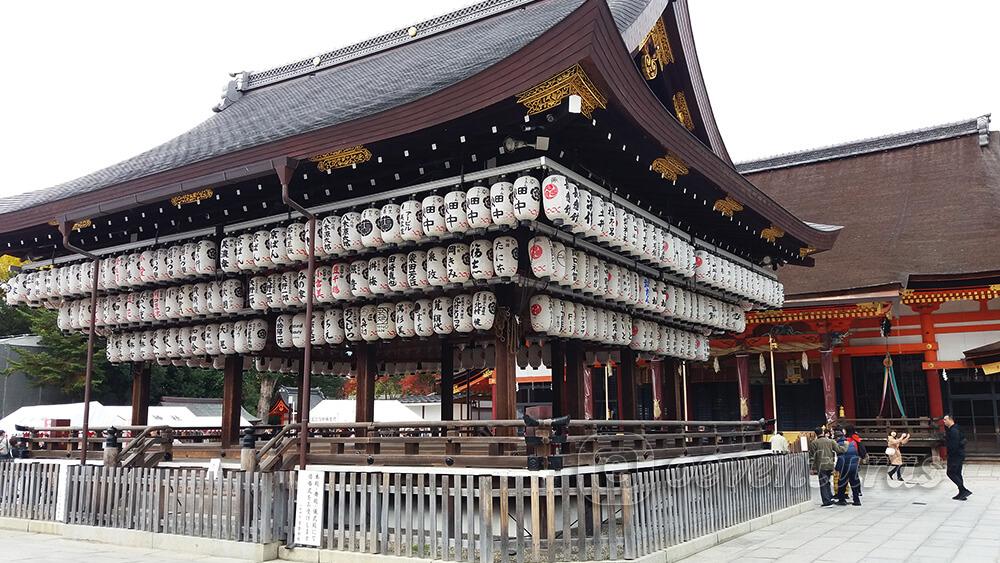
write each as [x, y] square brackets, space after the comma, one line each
[285, 174]
[66, 227]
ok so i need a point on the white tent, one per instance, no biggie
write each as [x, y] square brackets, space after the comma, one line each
[102, 416]
[343, 410]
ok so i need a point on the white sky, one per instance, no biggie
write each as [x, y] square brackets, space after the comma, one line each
[86, 84]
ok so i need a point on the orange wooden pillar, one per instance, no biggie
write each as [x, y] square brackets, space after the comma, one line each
[934, 399]
[847, 387]
[743, 383]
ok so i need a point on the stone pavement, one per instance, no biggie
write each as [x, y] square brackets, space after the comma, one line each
[911, 521]
[44, 548]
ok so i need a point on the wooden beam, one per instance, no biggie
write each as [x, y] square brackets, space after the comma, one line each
[954, 364]
[506, 385]
[232, 399]
[366, 371]
[879, 350]
[561, 385]
[626, 385]
[141, 372]
[447, 381]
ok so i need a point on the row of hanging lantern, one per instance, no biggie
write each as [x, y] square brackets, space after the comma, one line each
[342, 368]
[189, 301]
[169, 264]
[436, 267]
[716, 271]
[565, 319]
[180, 343]
[463, 313]
[575, 269]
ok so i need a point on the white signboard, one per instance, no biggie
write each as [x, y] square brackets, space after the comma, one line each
[61, 492]
[309, 507]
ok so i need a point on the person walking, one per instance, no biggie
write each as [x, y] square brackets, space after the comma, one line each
[955, 443]
[823, 453]
[894, 454]
[847, 466]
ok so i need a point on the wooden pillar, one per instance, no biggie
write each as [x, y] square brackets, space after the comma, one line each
[934, 399]
[588, 392]
[140, 393]
[656, 377]
[366, 370]
[847, 387]
[768, 400]
[626, 376]
[829, 380]
[575, 386]
[505, 402]
[447, 381]
[562, 385]
[232, 398]
[743, 383]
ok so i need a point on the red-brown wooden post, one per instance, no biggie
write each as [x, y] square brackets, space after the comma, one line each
[626, 387]
[140, 393]
[656, 377]
[364, 356]
[743, 383]
[562, 384]
[505, 375]
[447, 381]
[829, 382]
[232, 398]
[929, 337]
[847, 387]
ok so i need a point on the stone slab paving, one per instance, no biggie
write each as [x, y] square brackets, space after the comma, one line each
[912, 521]
[43, 548]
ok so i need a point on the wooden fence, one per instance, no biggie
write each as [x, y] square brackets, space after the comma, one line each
[230, 505]
[594, 513]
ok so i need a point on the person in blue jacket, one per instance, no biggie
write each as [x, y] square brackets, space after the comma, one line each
[848, 464]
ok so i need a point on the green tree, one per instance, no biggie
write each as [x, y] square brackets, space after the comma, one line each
[61, 362]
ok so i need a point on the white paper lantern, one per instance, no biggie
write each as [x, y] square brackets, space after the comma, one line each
[317, 331]
[352, 324]
[340, 281]
[385, 321]
[359, 279]
[333, 326]
[527, 198]
[457, 263]
[434, 219]
[350, 236]
[540, 309]
[404, 319]
[542, 260]
[244, 252]
[502, 203]
[586, 212]
[437, 269]
[369, 326]
[423, 323]
[298, 328]
[462, 313]
[395, 269]
[456, 211]
[484, 310]
[481, 259]
[505, 256]
[371, 234]
[378, 279]
[478, 207]
[443, 315]
[411, 217]
[333, 242]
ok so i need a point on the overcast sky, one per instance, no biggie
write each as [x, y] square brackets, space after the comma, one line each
[86, 84]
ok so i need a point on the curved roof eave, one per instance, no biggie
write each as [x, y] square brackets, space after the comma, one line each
[588, 35]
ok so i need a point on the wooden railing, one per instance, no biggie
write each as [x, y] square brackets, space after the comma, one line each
[608, 512]
[511, 444]
[923, 431]
[611, 512]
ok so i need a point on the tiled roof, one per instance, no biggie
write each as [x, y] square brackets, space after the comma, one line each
[909, 207]
[355, 85]
[977, 125]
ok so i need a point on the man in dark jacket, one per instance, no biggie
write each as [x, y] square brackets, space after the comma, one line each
[848, 465]
[955, 442]
[823, 453]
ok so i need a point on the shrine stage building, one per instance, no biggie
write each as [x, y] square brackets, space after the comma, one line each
[918, 259]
